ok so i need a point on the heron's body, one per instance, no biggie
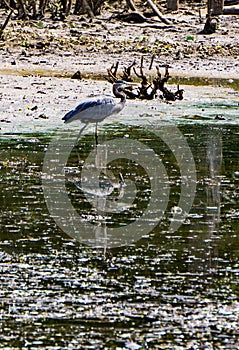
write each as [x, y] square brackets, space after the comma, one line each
[99, 108]
[94, 110]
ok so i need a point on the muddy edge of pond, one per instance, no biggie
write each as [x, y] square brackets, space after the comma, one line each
[194, 79]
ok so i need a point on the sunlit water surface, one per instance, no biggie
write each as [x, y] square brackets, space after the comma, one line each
[168, 290]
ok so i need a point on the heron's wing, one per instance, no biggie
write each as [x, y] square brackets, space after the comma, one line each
[91, 110]
[84, 106]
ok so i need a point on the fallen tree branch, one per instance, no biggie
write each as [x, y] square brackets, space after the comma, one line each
[131, 5]
[135, 17]
[145, 85]
[158, 12]
[231, 2]
[159, 84]
[5, 23]
[22, 10]
[149, 25]
[9, 6]
[231, 11]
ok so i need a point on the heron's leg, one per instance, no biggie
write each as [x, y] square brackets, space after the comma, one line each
[77, 139]
[81, 131]
[96, 134]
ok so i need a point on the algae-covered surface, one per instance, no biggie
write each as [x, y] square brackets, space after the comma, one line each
[33, 103]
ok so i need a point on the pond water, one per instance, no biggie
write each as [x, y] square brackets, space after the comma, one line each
[169, 282]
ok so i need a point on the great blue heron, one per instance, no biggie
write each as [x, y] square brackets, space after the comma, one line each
[99, 108]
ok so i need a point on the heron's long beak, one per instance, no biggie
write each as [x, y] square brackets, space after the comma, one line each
[130, 83]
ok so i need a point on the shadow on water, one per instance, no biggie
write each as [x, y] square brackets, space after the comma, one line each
[170, 289]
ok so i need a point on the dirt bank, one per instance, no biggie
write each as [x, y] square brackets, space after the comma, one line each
[91, 47]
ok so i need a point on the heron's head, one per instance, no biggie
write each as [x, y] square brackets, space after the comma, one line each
[121, 84]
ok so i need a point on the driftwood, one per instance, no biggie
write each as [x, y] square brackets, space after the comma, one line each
[10, 5]
[160, 85]
[145, 85]
[158, 12]
[147, 89]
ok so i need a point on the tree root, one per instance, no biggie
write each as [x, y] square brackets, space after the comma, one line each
[147, 89]
[210, 26]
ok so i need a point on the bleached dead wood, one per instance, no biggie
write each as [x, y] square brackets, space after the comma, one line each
[158, 12]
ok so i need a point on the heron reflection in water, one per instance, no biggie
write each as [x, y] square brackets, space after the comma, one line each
[99, 108]
[94, 111]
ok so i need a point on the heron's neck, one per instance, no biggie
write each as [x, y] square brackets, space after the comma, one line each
[118, 94]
